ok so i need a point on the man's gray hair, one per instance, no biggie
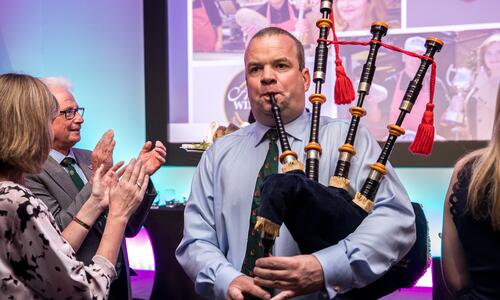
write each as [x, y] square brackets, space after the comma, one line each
[57, 81]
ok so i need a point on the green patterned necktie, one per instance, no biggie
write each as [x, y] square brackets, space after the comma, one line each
[68, 163]
[255, 249]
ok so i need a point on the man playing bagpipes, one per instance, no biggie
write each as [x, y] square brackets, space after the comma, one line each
[220, 249]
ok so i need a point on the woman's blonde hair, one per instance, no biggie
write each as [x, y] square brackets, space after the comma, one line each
[484, 186]
[376, 11]
[26, 110]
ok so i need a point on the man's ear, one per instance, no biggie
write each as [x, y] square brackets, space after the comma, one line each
[307, 78]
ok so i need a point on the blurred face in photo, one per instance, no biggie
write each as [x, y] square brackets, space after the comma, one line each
[352, 11]
[272, 66]
[414, 44]
[492, 58]
[411, 63]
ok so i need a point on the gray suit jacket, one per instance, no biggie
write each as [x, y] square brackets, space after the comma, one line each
[54, 187]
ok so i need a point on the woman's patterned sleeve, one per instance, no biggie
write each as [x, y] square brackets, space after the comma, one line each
[44, 260]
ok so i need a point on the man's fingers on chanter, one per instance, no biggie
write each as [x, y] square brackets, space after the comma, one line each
[275, 263]
[271, 274]
[284, 295]
[260, 292]
[234, 294]
[271, 283]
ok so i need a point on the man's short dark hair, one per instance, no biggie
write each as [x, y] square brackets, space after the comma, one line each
[278, 31]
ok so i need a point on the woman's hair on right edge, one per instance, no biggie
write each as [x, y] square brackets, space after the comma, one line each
[485, 180]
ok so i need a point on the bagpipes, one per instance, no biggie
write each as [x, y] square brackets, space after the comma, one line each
[318, 216]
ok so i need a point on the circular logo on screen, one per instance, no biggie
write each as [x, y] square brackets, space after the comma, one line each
[236, 102]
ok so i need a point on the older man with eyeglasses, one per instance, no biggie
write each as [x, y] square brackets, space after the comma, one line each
[65, 184]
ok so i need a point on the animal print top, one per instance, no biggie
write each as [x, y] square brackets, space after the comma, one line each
[36, 262]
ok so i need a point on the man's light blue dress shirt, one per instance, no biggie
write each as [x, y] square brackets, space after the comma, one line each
[216, 217]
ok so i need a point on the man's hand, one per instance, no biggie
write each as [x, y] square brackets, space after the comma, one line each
[103, 152]
[244, 284]
[152, 158]
[296, 275]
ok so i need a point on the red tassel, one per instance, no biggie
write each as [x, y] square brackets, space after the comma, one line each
[344, 91]
[425, 133]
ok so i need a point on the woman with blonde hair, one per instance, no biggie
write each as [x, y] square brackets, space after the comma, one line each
[358, 14]
[471, 227]
[37, 260]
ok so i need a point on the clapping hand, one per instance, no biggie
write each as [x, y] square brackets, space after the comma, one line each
[126, 194]
[152, 158]
[103, 181]
[103, 152]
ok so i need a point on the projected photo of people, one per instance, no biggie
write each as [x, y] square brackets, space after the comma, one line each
[468, 77]
[467, 66]
[213, 26]
[352, 15]
[475, 81]
[227, 25]
[393, 74]
[207, 26]
[286, 14]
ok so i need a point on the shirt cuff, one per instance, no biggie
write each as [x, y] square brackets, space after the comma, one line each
[106, 265]
[223, 280]
[336, 269]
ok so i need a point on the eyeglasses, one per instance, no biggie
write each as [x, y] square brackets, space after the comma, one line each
[70, 113]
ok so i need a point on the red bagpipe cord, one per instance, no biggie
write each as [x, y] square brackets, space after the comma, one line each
[424, 139]
[344, 91]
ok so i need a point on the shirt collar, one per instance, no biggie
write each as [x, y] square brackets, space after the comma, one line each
[58, 156]
[294, 129]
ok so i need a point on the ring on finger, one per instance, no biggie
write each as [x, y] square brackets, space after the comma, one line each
[139, 185]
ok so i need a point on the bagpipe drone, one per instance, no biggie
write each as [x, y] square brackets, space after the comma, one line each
[319, 216]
